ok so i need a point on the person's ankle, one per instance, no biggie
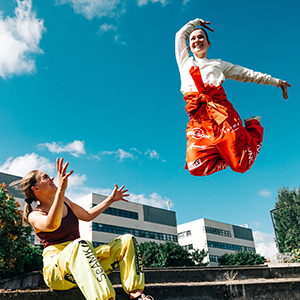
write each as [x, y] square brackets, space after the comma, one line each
[135, 294]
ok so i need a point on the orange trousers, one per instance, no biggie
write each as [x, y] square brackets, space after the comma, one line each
[216, 137]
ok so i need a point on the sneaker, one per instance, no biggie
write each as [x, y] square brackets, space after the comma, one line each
[257, 118]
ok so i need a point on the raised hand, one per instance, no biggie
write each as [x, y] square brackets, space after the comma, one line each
[119, 194]
[62, 175]
[204, 25]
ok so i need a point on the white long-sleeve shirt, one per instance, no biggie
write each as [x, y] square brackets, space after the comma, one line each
[213, 71]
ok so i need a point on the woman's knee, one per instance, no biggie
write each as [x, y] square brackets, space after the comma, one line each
[240, 168]
[128, 236]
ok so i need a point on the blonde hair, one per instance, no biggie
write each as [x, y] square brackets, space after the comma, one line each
[27, 182]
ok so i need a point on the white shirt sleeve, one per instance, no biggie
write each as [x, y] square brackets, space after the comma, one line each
[181, 46]
[239, 73]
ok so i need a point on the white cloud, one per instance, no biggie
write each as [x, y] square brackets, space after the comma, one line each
[19, 40]
[265, 193]
[134, 149]
[133, 154]
[255, 224]
[76, 180]
[120, 154]
[145, 2]
[75, 148]
[153, 200]
[21, 165]
[185, 2]
[74, 193]
[152, 154]
[106, 27]
[123, 154]
[118, 40]
[264, 244]
[77, 189]
[95, 8]
[104, 8]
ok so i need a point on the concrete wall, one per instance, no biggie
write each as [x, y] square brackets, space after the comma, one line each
[250, 283]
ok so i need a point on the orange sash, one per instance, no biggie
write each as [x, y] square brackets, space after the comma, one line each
[208, 95]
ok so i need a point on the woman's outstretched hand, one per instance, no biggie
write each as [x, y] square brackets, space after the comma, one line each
[119, 194]
[284, 85]
[62, 175]
[204, 25]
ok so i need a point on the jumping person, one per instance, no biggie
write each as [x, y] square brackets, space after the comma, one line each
[216, 137]
[70, 261]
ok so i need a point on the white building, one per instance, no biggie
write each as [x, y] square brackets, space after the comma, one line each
[215, 237]
[145, 222]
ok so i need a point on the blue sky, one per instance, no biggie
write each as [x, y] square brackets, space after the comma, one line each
[97, 83]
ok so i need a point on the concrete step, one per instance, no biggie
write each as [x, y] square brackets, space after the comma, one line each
[259, 289]
[210, 274]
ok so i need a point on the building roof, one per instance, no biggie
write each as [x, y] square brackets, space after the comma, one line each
[8, 179]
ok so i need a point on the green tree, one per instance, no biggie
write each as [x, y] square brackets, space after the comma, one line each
[175, 255]
[151, 254]
[170, 254]
[17, 256]
[287, 219]
[198, 257]
[241, 258]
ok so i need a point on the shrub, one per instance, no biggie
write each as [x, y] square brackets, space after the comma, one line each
[295, 256]
[242, 258]
[17, 256]
[170, 254]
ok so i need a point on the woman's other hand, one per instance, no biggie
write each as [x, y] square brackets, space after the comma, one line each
[204, 25]
[119, 194]
[284, 85]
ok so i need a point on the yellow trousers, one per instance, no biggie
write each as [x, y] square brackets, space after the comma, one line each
[77, 263]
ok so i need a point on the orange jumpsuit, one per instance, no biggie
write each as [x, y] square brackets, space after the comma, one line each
[216, 137]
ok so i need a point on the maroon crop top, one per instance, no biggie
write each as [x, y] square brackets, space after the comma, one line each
[67, 231]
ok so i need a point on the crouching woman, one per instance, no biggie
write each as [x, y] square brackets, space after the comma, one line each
[70, 261]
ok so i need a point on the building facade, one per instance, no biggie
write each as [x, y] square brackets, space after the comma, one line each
[215, 237]
[145, 222]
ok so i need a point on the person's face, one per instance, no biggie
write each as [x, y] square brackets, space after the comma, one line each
[199, 43]
[44, 183]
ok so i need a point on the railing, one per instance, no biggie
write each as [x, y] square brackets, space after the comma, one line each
[286, 223]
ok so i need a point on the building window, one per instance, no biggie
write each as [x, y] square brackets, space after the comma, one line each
[120, 213]
[214, 258]
[184, 234]
[97, 244]
[229, 246]
[217, 231]
[135, 232]
[31, 239]
[188, 247]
